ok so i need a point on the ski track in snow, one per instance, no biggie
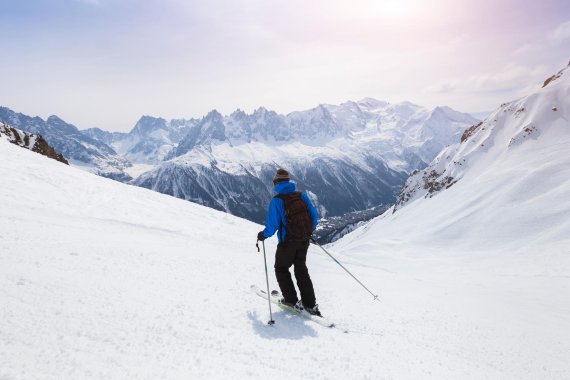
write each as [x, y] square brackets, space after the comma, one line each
[101, 280]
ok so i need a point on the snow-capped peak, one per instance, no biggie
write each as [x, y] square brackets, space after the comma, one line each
[148, 124]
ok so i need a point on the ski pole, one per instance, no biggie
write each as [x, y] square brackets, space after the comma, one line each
[347, 271]
[271, 321]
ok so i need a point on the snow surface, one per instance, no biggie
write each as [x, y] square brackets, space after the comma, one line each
[137, 169]
[499, 236]
[103, 280]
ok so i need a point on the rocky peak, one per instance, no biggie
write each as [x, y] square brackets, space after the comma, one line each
[63, 127]
[238, 114]
[260, 111]
[210, 128]
[372, 103]
[213, 116]
[148, 124]
[352, 106]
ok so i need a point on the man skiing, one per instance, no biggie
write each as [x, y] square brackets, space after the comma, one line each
[292, 215]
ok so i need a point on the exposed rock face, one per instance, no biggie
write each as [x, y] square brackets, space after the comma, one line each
[469, 131]
[554, 77]
[35, 143]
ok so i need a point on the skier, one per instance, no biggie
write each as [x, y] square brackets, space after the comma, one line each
[292, 215]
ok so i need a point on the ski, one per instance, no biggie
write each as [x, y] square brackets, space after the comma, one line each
[275, 298]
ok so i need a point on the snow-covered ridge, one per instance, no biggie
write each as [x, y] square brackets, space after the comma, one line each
[35, 143]
[408, 124]
[543, 116]
[80, 150]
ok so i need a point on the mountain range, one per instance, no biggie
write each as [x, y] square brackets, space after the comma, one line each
[349, 157]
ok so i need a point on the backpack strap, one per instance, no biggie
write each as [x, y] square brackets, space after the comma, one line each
[285, 196]
[280, 230]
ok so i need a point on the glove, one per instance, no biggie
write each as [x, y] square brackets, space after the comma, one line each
[260, 236]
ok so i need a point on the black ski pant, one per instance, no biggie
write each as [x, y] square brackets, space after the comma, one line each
[289, 254]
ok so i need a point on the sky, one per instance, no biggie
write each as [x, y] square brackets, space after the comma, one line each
[105, 63]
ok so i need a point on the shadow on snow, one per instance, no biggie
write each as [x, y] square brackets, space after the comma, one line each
[286, 326]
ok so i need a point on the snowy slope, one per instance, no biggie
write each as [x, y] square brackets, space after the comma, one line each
[516, 132]
[103, 280]
[507, 182]
[492, 214]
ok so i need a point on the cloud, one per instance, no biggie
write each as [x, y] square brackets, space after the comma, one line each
[529, 48]
[442, 88]
[510, 78]
[549, 40]
[562, 32]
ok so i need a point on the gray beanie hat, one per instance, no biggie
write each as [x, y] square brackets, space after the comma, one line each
[282, 175]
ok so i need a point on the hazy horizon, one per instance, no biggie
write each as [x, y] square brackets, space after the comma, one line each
[105, 63]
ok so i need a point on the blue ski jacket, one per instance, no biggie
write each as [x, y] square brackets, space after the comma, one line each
[276, 212]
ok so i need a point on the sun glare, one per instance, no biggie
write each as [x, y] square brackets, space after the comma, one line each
[393, 8]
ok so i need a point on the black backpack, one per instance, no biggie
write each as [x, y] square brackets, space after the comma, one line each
[299, 223]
